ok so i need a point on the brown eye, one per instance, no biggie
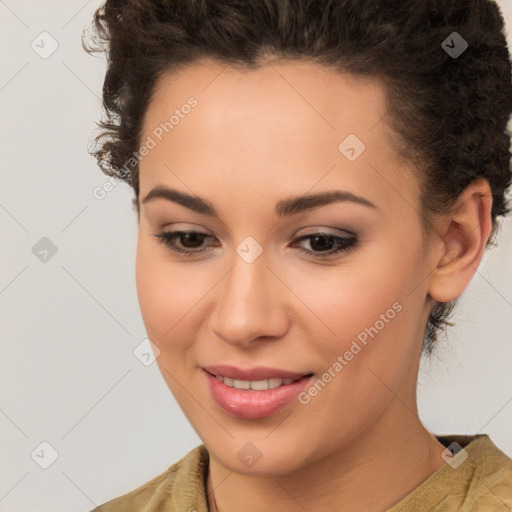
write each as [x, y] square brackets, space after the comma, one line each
[186, 243]
[324, 245]
[191, 239]
[321, 243]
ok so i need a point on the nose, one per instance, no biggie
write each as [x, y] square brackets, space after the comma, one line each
[250, 304]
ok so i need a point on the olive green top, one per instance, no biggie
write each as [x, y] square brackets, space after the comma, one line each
[477, 479]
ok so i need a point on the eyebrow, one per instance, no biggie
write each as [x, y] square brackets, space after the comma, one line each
[283, 208]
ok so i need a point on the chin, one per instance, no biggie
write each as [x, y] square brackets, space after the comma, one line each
[259, 457]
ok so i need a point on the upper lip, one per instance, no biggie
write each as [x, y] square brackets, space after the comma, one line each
[257, 373]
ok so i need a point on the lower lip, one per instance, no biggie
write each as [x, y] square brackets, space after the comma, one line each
[251, 404]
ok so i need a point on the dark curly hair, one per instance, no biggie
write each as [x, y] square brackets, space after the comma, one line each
[450, 112]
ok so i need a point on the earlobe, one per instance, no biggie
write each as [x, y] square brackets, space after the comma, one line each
[464, 241]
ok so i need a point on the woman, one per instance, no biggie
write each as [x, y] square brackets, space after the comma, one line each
[315, 184]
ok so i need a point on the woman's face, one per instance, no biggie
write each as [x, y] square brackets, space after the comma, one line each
[333, 287]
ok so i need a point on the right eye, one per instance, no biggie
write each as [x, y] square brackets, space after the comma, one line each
[189, 241]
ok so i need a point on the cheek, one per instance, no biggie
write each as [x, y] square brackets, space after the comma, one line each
[350, 298]
[164, 292]
[365, 310]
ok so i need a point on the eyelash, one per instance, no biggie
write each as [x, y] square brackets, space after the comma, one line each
[345, 244]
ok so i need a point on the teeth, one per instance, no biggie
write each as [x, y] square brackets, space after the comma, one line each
[257, 385]
[242, 384]
[274, 383]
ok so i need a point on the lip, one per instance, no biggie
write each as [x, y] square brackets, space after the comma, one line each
[258, 373]
[251, 404]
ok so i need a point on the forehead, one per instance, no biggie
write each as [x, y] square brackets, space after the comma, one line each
[283, 89]
[284, 122]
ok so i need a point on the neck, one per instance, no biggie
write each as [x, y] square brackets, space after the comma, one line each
[372, 472]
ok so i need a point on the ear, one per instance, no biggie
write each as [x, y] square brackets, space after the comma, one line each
[464, 236]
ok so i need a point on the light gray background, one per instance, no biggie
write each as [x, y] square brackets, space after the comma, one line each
[69, 326]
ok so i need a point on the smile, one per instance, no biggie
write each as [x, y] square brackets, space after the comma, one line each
[260, 394]
[256, 385]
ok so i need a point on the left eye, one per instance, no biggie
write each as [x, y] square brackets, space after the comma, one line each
[327, 243]
[322, 244]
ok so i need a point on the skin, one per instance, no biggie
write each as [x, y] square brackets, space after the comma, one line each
[255, 138]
